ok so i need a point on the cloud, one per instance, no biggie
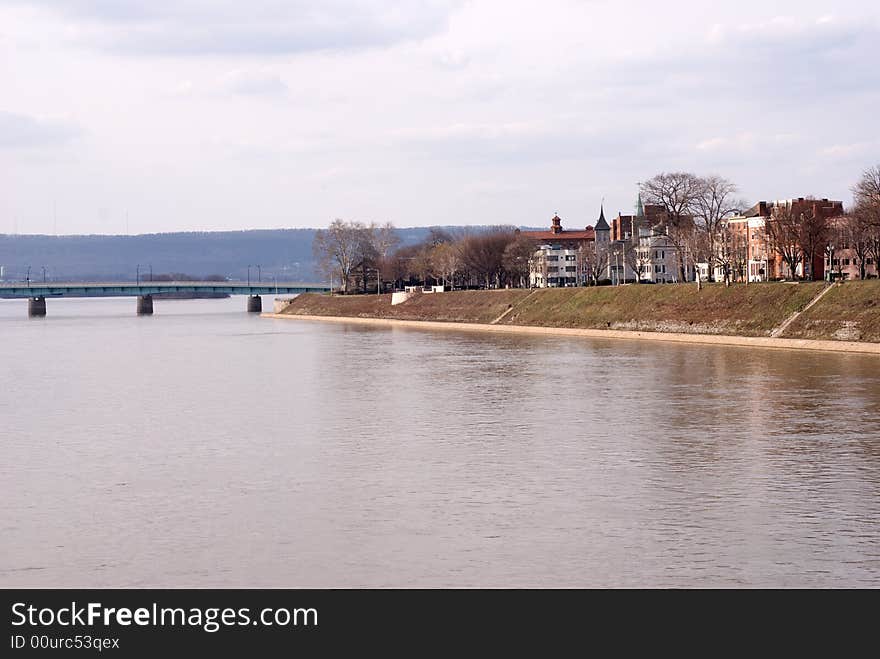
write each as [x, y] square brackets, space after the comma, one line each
[232, 27]
[22, 131]
[254, 82]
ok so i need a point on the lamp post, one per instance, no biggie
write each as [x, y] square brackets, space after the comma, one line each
[249, 275]
[44, 274]
[29, 276]
[259, 274]
[137, 275]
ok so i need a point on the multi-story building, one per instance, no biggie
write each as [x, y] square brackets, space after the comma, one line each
[747, 247]
[554, 265]
[656, 257]
[562, 256]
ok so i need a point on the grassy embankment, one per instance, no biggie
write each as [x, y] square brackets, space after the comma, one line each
[849, 312]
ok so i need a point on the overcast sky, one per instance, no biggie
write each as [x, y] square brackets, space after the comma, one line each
[230, 114]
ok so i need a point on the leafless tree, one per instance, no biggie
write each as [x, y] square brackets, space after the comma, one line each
[483, 254]
[445, 262]
[737, 254]
[633, 254]
[867, 208]
[677, 193]
[517, 257]
[713, 202]
[867, 195]
[859, 233]
[813, 235]
[386, 241]
[594, 261]
[784, 234]
[337, 250]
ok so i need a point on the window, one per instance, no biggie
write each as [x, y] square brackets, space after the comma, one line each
[570, 257]
[570, 268]
[553, 258]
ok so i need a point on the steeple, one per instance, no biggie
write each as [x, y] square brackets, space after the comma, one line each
[556, 224]
[601, 224]
[640, 210]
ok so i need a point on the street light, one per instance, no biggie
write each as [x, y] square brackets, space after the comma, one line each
[44, 274]
[249, 274]
[137, 275]
[29, 276]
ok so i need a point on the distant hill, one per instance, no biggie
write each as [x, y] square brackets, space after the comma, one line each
[284, 253]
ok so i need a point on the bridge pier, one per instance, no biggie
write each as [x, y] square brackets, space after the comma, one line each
[145, 305]
[36, 306]
[254, 304]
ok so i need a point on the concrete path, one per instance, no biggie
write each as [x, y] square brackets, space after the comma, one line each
[776, 333]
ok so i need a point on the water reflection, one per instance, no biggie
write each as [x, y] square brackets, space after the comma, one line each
[203, 446]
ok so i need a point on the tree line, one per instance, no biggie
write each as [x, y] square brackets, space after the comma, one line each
[358, 257]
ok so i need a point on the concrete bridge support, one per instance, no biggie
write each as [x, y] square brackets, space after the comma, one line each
[145, 305]
[36, 306]
[254, 304]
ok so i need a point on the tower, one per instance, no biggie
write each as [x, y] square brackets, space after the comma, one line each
[603, 231]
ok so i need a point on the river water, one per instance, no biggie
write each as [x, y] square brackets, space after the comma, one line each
[204, 446]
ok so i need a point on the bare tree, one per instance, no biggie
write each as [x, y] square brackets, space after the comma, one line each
[636, 257]
[517, 258]
[386, 241]
[714, 201]
[784, 234]
[737, 254]
[594, 261]
[867, 208]
[337, 249]
[445, 262]
[677, 193]
[813, 236]
[483, 254]
[859, 234]
[867, 195]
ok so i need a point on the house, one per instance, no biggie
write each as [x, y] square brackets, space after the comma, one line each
[560, 258]
[749, 245]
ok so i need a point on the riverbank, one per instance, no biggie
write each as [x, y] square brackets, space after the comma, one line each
[846, 318]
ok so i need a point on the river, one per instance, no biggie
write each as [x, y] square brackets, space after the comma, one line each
[204, 446]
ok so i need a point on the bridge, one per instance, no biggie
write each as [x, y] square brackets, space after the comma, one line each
[36, 293]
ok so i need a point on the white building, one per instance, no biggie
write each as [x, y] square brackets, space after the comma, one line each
[657, 257]
[555, 265]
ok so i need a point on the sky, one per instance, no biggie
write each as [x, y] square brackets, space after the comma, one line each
[189, 115]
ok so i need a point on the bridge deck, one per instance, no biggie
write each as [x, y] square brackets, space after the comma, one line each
[128, 289]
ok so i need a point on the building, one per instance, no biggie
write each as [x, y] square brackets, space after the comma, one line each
[843, 258]
[656, 256]
[561, 257]
[746, 246]
[559, 237]
[554, 265]
[631, 240]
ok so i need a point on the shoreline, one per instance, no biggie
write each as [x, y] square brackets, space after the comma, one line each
[852, 347]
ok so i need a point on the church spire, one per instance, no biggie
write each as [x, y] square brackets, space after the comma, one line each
[601, 224]
[640, 210]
